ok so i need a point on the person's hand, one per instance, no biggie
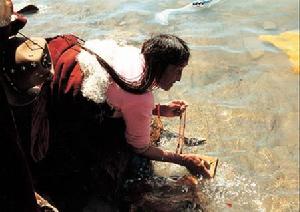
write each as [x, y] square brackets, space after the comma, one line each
[196, 165]
[174, 108]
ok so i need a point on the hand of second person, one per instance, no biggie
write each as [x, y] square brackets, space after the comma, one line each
[196, 165]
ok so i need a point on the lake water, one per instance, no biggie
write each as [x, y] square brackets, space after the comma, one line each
[243, 95]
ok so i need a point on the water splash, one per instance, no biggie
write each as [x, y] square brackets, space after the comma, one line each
[163, 17]
[232, 189]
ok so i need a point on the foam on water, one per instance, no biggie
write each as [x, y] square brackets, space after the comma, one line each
[232, 188]
[196, 6]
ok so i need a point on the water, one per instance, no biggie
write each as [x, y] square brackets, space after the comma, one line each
[242, 93]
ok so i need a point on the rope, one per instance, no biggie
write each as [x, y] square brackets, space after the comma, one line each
[35, 43]
[182, 124]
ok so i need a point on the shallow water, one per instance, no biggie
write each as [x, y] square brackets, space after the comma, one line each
[242, 93]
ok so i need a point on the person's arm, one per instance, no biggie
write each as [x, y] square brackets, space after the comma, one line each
[193, 163]
[138, 135]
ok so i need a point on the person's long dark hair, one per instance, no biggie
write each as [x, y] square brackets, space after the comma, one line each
[159, 52]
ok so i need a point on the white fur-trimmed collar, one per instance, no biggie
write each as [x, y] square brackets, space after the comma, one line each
[96, 79]
[127, 61]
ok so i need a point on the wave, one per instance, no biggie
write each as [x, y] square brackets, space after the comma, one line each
[163, 16]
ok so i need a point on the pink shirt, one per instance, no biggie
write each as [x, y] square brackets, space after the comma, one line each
[135, 109]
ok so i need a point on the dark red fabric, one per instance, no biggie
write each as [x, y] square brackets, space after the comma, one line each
[66, 82]
[59, 44]
[67, 77]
